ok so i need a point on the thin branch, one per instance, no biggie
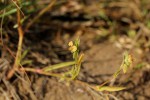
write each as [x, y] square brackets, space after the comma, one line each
[40, 71]
[18, 54]
[1, 27]
[15, 2]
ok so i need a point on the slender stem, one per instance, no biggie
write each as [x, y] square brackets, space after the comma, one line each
[18, 54]
[40, 71]
[1, 27]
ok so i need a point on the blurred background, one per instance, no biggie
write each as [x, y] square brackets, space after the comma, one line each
[106, 29]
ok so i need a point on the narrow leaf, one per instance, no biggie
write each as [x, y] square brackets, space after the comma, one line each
[57, 66]
[109, 88]
[24, 54]
[9, 12]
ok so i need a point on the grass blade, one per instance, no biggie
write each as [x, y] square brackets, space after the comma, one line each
[57, 66]
[109, 88]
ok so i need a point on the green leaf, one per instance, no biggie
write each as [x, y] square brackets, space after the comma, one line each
[24, 54]
[9, 12]
[10, 9]
[26, 62]
[109, 88]
[75, 54]
[76, 68]
[57, 66]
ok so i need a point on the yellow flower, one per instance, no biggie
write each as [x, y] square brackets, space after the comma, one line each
[128, 60]
[70, 43]
[73, 48]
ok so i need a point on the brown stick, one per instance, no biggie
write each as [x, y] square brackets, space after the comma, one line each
[18, 54]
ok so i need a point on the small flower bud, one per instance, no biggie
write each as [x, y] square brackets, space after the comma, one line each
[73, 48]
[70, 43]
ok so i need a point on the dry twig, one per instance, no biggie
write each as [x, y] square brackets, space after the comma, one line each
[18, 54]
